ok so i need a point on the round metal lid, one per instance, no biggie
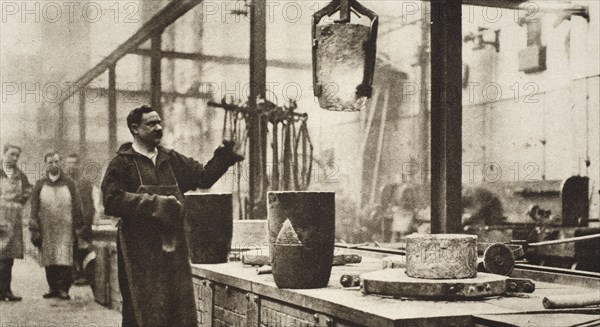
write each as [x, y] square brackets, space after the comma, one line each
[395, 282]
[499, 259]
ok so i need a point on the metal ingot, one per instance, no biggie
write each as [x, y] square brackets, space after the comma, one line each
[340, 66]
[301, 234]
[441, 256]
[208, 227]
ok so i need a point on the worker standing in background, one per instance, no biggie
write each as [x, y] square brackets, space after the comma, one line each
[14, 193]
[85, 187]
[143, 186]
[481, 207]
[56, 225]
[404, 208]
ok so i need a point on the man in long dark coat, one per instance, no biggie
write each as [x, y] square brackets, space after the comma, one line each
[14, 192]
[143, 185]
[55, 225]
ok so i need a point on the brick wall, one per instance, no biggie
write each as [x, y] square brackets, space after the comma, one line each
[222, 305]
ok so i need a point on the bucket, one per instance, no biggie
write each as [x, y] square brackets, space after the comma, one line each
[340, 65]
[208, 227]
[301, 236]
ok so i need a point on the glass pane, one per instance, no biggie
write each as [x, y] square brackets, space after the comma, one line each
[375, 159]
[530, 122]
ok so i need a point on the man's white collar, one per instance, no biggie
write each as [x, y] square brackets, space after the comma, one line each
[142, 150]
[53, 178]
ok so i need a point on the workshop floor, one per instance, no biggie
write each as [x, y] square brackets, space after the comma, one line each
[29, 282]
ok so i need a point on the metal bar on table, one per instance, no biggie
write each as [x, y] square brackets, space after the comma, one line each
[565, 240]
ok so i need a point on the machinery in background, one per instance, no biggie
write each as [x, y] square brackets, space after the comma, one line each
[541, 211]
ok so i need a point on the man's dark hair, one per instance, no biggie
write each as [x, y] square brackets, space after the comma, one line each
[51, 153]
[9, 146]
[135, 116]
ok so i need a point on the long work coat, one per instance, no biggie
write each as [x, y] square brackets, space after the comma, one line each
[86, 188]
[14, 192]
[56, 218]
[156, 285]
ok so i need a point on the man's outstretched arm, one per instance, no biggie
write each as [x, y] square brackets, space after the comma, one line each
[192, 175]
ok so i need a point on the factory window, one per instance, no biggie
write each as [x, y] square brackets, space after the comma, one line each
[534, 32]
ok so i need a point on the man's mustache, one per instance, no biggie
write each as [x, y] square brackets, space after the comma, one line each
[158, 134]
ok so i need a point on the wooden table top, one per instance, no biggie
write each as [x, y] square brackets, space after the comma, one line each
[352, 305]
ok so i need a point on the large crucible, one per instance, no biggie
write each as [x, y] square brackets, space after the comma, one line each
[343, 56]
[208, 226]
[301, 237]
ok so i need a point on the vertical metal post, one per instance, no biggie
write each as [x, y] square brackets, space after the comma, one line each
[257, 128]
[112, 110]
[82, 124]
[155, 74]
[60, 127]
[446, 116]
[423, 95]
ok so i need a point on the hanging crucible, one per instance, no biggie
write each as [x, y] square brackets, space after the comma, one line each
[343, 57]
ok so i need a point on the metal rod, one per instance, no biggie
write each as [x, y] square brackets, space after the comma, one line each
[156, 74]
[423, 96]
[112, 109]
[372, 109]
[565, 240]
[533, 7]
[257, 124]
[82, 125]
[60, 127]
[381, 138]
[223, 60]
[446, 116]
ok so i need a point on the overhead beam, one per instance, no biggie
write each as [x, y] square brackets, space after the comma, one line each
[134, 94]
[446, 116]
[170, 13]
[225, 60]
[531, 6]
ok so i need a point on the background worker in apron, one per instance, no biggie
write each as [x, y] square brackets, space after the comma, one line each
[56, 223]
[14, 192]
[144, 186]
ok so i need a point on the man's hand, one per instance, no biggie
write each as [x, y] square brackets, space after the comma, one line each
[167, 210]
[231, 145]
[83, 244]
[230, 149]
